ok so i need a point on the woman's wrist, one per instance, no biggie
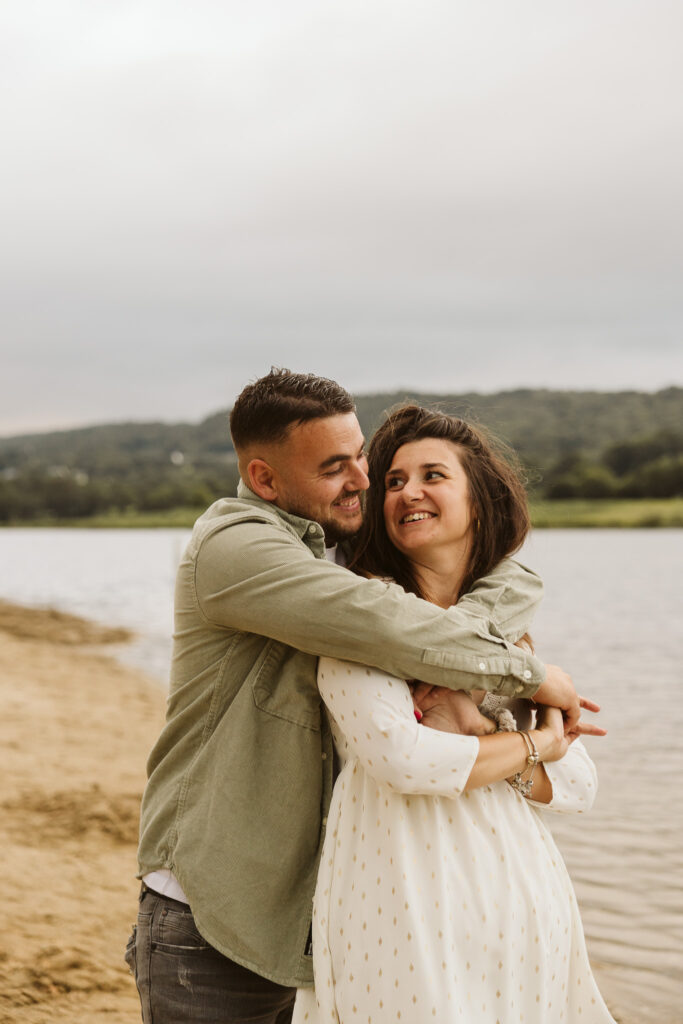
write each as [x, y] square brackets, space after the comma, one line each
[523, 780]
[544, 742]
[547, 743]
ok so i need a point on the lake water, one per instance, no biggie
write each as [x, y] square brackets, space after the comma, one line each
[611, 616]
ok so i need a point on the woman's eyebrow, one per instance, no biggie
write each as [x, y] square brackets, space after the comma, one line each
[425, 465]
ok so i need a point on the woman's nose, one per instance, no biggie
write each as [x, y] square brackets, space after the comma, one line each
[412, 490]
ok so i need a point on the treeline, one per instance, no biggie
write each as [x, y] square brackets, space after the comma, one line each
[119, 467]
[648, 467]
[62, 493]
[571, 444]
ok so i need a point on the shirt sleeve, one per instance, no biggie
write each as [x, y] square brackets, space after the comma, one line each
[257, 578]
[509, 595]
[574, 781]
[374, 721]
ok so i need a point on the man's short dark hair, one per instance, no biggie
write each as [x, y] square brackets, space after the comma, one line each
[266, 409]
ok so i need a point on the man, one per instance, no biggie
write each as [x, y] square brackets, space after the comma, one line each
[233, 816]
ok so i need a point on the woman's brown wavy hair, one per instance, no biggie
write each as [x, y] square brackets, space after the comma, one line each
[499, 504]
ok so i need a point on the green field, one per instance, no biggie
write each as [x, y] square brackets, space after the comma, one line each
[626, 513]
[579, 513]
[181, 518]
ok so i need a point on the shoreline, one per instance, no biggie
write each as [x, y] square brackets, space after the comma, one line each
[76, 727]
[565, 514]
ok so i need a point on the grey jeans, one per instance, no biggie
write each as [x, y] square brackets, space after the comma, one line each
[181, 978]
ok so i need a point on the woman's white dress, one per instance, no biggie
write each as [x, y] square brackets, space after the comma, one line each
[435, 904]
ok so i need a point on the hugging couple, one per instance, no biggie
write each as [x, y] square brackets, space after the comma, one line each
[348, 781]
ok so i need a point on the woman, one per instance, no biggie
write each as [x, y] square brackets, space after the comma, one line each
[441, 895]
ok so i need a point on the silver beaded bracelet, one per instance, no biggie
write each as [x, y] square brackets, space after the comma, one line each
[524, 787]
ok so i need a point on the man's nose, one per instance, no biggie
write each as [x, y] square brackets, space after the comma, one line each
[359, 480]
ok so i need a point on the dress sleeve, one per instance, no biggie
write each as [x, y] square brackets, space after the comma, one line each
[574, 781]
[373, 720]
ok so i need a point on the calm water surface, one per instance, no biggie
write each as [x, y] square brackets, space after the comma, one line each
[611, 617]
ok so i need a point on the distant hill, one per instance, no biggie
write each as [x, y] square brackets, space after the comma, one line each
[112, 447]
[541, 425]
[566, 439]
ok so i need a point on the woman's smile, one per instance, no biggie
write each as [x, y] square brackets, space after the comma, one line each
[417, 517]
[427, 499]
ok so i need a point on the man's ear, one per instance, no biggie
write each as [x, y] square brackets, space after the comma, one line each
[261, 479]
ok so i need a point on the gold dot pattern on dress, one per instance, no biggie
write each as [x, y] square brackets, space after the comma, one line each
[433, 904]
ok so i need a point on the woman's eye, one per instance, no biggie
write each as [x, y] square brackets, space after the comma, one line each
[394, 483]
[431, 473]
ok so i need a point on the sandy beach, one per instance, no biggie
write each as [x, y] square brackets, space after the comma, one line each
[75, 730]
[76, 727]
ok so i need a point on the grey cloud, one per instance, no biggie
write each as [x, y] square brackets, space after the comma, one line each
[195, 192]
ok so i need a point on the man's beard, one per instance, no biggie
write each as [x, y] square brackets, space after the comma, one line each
[335, 533]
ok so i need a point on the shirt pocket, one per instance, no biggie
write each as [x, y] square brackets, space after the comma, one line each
[284, 684]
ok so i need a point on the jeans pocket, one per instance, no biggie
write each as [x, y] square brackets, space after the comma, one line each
[177, 934]
[129, 955]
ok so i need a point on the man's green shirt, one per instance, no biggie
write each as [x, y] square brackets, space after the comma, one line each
[241, 777]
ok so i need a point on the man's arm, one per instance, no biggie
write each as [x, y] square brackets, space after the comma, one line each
[258, 578]
[511, 594]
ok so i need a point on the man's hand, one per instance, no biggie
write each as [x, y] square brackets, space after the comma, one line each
[451, 711]
[558, 692]
[586, 728]
[550, 723]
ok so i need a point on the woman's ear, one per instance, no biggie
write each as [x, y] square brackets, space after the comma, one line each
[261, 479]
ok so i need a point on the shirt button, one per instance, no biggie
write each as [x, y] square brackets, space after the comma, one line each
[324, 757]
[518, 689]
[482, 665]
[324, 822]
[526, 674]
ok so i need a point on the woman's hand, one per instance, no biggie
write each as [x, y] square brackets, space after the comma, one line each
[551, 741]
[452, 711]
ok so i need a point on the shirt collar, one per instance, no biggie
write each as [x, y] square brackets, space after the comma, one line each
[303, 527]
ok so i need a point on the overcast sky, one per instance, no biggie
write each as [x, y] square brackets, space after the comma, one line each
[436, 195]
